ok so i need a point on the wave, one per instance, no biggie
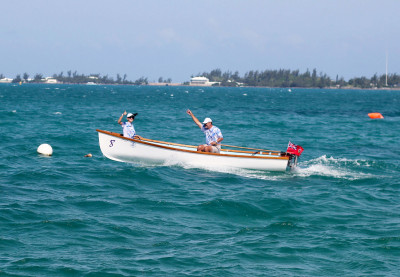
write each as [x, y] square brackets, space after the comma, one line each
[341, 168]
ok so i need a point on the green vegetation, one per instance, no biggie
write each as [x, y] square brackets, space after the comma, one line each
[167, 81]
[288, 78]
[17, 79]
[253, 78]
[75, 78]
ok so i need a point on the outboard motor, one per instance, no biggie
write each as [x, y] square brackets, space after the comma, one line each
[292, 163]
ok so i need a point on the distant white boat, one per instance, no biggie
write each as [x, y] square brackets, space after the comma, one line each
[289, 90]
[119, 148]
[91, 83]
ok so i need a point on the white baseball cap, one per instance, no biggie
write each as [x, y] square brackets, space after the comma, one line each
[206, 120]
[131, 115]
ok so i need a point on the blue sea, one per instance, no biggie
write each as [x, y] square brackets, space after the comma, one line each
[337, 214]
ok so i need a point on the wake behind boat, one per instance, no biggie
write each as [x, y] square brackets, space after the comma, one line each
[119, 148]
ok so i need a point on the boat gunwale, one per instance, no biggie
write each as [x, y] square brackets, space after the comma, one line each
[117, 135]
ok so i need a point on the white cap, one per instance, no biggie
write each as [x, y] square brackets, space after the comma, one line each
[206, 120]
[129, 115]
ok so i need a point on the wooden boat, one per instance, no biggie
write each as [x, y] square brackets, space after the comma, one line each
[119, 148]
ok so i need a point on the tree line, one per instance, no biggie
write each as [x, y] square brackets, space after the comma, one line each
[254, 78]
[75, 78]
[294, 78]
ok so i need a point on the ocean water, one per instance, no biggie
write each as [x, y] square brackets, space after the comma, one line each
[337, 214]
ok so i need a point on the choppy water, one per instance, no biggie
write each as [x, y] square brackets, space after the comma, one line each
[338, 214]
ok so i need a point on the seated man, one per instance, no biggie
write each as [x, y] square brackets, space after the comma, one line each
[213, 135]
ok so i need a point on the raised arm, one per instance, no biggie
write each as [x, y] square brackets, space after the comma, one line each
[120, 118]
[189, 112]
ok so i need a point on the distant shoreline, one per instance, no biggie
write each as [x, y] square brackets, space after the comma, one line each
[202, 86]
[282, 78]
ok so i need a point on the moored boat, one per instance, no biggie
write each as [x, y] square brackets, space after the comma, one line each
[119, 148]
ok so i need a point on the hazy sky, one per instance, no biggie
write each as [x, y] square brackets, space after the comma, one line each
[179, 38]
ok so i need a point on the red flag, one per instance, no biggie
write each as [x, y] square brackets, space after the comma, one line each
[294, 149]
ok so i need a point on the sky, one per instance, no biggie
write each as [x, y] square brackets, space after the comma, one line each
[178, 39]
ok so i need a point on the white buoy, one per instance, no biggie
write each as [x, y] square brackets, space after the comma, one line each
[45, 149]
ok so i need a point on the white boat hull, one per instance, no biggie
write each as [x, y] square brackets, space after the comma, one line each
[118, 148]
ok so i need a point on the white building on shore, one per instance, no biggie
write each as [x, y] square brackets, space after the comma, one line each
[50, 80]
[201, 81]
[6, 80]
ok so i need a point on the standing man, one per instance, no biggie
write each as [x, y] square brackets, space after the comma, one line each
[213, 135]
[129, 129]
